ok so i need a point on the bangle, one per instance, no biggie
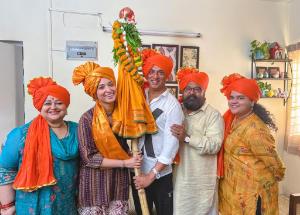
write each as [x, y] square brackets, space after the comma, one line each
[7, 206]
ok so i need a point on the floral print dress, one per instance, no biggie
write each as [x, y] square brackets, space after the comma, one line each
[252, 169]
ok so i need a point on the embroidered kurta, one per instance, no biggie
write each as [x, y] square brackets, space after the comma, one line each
[196, 174]
[59, 199]
[98, 186]
[252, 168]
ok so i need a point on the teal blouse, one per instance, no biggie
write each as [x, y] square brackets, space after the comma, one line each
[57, 199]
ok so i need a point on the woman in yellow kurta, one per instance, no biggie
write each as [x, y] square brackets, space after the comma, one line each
[252, 167]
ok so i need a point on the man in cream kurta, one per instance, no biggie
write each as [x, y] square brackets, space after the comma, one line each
[196, 183]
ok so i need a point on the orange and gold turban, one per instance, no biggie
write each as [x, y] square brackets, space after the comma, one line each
[90, 74]
[153, 58]
[241, 84]
[186, 75]
[37, 166]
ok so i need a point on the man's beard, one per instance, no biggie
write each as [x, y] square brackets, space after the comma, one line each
[193, 102]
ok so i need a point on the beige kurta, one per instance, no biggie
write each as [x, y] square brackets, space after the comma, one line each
[196, 175]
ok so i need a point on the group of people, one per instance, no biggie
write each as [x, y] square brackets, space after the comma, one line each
[227, 164]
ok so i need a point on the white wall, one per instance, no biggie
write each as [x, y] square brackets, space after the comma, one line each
[293, 21]
[7, 104]
[11, 87]
[227, 28]
[292, 162]
[27, 21]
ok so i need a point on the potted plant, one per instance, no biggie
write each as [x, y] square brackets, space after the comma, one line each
[259, 50]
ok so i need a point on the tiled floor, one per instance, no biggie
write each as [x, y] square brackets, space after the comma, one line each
[283, 206]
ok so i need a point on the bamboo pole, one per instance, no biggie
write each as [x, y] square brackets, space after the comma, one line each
[137, 172]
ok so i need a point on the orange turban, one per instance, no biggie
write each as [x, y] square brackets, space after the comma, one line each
[153, 58]
[238, 83]
[41, 88]
[90, 74]
[37, 165]
[186, 75]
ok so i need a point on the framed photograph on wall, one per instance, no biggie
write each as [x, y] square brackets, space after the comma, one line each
[170, 51]
[173, 89]
[146, 46]
[189, 56]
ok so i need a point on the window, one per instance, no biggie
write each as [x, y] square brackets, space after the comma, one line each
[293, 120]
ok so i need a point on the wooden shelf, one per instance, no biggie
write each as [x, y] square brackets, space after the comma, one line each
[272, 97]
[272, 79]
[272, 60]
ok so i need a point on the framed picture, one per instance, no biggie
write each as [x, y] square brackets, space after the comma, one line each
[146, 46]
[170, 51]
[189, 56]
[262, 72]
[173, 89]
[274, 72]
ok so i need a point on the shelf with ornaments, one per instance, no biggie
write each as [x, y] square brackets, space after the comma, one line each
[273, 76]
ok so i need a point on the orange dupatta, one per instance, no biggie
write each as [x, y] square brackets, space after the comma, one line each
[228, 118]
[104, 138]
[37, 166]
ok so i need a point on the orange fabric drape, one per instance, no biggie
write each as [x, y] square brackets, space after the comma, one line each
[104, 138]
[132, 117]
[228, 118]
[37, 166]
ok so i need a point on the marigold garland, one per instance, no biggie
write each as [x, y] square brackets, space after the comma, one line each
[126, 49]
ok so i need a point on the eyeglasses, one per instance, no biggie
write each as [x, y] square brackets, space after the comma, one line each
[193, 89]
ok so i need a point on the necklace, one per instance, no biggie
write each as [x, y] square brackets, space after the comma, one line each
[57, 130]
[236, 120]
[245, 115]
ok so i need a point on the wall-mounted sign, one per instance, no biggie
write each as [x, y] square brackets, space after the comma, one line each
[81, 50]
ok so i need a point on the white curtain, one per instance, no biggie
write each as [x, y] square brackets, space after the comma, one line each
[292, 144]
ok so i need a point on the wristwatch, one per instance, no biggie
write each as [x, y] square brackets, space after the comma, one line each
[187, 139]
[156, 173]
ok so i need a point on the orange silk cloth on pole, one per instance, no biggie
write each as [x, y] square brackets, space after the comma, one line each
[132, 117]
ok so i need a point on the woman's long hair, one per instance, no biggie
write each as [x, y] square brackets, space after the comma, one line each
[265, 116]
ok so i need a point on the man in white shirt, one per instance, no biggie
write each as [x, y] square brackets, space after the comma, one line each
[159, 149]
[196, 183]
